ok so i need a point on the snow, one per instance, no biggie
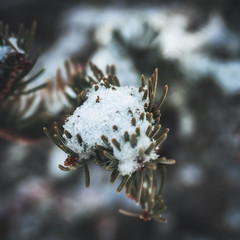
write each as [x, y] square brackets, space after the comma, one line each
[5, 50]
[188, 49]
[191, 175]
[94, 119]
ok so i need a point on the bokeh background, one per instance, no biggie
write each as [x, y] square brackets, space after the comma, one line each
[196, 46]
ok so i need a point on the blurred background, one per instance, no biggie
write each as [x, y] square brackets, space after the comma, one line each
[196, 47]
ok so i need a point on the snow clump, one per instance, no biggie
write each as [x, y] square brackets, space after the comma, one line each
[105, 108]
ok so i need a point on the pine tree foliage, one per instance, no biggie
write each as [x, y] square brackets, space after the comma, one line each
[16, 97]
[17, 64]
[142, 183]
[24, 103]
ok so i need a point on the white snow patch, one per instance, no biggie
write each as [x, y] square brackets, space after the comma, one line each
[187, 123]
[177, 43]
[94, 119]
[191, 175]
[5, 50]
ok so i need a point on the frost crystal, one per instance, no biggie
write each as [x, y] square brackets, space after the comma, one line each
[105, 108]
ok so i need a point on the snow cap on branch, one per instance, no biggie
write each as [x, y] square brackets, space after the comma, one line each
[111, 112]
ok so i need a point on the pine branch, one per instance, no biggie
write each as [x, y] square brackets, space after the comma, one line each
[140, 181]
